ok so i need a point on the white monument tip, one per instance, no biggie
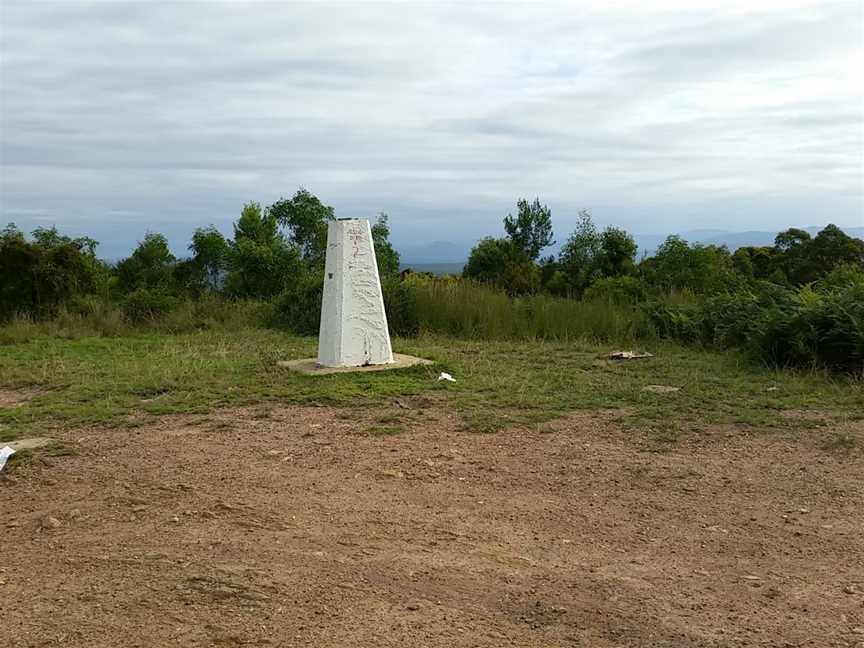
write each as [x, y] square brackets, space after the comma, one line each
[353, 329]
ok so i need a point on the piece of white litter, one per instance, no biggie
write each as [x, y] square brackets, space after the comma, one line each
[626, 355]
[447, 377]
[5, 453]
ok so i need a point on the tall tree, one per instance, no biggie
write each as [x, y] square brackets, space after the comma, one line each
[531, 228]
[305, 217]
[255, 225]
[385, 254]
[260, 262]
[617, 255]
[209, 249]
[150, 265]
[578, 257]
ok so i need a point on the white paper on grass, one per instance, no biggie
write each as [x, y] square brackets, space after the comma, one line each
[5, 453]
[446, 376]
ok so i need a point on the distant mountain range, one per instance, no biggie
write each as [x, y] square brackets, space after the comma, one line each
[442, 257]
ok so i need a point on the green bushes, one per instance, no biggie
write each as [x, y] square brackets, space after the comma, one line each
[400, 303]
[821, 327]
[143, 305]
[812, 328]
[681, 322]
[38, 275]
[298, 308]
[618, 290]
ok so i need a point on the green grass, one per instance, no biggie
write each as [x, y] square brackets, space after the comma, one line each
[386, 430]
[467, 309]
[122, 380]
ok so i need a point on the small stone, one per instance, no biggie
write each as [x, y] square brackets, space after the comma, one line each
[175, 519]
[139, 508]
[12, 524]
[851, 589]
[751, 577]
[49, 522]
[413, 607]
[803, 510]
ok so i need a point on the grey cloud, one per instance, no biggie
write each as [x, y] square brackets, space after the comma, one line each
[174, 114]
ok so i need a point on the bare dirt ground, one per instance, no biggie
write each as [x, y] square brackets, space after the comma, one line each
[294, 526]
[17, 397]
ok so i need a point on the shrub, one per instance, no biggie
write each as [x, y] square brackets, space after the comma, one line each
[617, 290]
[677, 321]
[501, 263]
[816, 329]
[144, 305]
[777, 326]
[841, 277]
[39, 275]
[298, 308]
[400, 302]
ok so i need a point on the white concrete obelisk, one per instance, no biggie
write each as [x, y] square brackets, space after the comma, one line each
[353, 329]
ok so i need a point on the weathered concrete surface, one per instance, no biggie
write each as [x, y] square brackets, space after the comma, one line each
[310, 366]
[30, 444]
[353, 328]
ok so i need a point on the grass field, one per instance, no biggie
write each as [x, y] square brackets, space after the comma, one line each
[128, 380]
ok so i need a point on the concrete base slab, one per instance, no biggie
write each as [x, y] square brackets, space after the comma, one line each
[30, 444]
[310, 366]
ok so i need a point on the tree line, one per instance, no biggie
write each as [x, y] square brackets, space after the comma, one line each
[273, 250]
[798, 302]
[593, 261]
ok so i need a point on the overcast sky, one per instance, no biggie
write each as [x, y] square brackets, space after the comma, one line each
[123, 117]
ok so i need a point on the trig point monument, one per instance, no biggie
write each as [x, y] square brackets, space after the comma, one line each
[353, 335]
[353, 329]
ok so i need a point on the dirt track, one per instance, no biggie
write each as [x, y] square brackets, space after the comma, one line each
[296, 527]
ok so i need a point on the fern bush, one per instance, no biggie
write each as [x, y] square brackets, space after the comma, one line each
[814, 326]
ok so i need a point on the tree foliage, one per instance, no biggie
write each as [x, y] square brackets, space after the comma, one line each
[209, 255]
[699, 268]
[259, 261]
[305, 218]
[502, 263]
[39, 275]
[531, 229]
[150, 266]
[589, 255]
[385, 253]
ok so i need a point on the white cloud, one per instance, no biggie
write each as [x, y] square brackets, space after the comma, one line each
[433, 112]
